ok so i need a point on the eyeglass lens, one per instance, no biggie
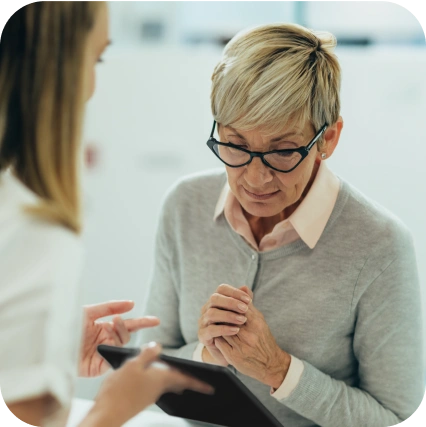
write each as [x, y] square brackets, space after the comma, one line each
[235, 157]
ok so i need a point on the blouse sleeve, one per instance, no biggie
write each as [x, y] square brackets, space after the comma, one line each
[40, 313]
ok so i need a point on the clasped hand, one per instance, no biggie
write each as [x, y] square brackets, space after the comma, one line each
[235, 332]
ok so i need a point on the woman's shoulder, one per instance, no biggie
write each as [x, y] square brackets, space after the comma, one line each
[26, 240]
[202, 182]
[201, 186]
[373, 218]
[193, 198]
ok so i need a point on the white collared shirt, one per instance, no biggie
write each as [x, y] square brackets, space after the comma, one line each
[40, 310]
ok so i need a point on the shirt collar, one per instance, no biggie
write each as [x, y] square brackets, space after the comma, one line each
[313, 213]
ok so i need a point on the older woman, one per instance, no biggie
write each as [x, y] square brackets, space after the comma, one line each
[307, 289]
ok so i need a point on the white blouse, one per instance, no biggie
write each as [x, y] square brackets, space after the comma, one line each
[40, 310]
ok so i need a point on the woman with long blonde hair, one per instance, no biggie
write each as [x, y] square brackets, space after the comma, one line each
[48, 52]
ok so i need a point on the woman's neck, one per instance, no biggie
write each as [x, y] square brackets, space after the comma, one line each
[261, 226]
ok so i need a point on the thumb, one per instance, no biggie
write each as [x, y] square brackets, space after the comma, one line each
[149, 353]
[247, 291]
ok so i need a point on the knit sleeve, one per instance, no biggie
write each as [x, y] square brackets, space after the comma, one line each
[388, 346]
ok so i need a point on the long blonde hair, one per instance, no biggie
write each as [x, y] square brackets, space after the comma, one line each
[42, 54]
[271, 74]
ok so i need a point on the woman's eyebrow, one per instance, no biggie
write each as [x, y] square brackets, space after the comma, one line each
[236, 133]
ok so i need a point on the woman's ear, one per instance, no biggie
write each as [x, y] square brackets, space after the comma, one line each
[331, 139]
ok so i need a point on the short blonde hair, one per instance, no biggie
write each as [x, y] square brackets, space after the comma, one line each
[272, 74]
[42, 53]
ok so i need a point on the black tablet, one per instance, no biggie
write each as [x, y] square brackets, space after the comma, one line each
[232, 404]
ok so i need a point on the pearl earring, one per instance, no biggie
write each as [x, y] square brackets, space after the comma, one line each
[323, 156]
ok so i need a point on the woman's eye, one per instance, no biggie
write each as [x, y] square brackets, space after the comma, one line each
[239, 145]
[288, 154]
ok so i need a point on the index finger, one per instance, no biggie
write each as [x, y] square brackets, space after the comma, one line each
[96, 311]
[232, 292]
[133, 325]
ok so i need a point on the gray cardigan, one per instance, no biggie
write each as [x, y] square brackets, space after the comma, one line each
[349, 308]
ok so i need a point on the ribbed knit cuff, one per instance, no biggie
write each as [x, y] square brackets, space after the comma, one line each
[306, 395]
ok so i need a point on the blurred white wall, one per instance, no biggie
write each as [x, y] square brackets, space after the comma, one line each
[150, 119]
[378, 21]
[173, 23]
[221, 20]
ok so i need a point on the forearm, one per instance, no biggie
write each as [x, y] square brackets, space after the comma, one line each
[332, 403]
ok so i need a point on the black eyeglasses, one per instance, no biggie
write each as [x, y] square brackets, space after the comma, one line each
[285, 161]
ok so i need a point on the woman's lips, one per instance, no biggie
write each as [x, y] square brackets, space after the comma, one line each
[261, 196]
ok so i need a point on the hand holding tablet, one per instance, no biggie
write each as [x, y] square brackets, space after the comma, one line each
[232, 404]
[137, 385]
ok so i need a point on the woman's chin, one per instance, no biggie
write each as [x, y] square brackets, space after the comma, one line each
[261, 209]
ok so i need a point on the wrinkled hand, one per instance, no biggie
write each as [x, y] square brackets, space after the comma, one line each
[254, 352]
[222, 315]
[115, 333]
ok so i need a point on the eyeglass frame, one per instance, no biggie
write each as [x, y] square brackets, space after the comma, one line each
[303, 151]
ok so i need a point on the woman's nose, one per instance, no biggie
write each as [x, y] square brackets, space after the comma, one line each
[257, 174]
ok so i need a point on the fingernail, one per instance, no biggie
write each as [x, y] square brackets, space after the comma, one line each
[241, 318]
[151, 344]
[235, 329]
[246, 299]
[242, 307]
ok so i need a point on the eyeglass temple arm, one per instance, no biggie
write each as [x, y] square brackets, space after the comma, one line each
[322, 130]
[214, 125]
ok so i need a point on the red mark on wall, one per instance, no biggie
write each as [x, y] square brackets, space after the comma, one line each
[91, 155]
